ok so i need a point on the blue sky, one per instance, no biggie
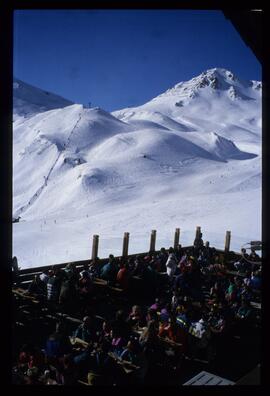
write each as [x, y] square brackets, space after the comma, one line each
[120, 58]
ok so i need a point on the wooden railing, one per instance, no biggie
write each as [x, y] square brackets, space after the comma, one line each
[28, 274]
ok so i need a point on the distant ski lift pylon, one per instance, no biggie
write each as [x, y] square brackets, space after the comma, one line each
[254, 245]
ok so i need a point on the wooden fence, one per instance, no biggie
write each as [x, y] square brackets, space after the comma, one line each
[27, 274]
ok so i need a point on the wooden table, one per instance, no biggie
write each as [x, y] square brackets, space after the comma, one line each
[256, 305]
[78, 341]
[127, 366]
[23, 294]
[138, 330]
[169, 342]
[100, 282]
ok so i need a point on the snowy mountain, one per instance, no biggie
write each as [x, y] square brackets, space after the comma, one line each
[191, 156]
[214, 100]
[28, 100]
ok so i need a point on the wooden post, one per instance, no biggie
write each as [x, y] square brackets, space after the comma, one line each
[153, 240]
[198, 231]
[95, 248]
[227, 241]
[125, 244]
[176, 237]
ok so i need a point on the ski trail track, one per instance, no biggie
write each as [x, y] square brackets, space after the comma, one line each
[37, 194]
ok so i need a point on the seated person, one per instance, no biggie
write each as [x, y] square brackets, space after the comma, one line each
[150, 278]
[242, 264]
[68, 294]
[155, 263]
[216, 321]
[100, 366]
[94, 269]
[131, 351]
[179, 252]
[183, 262]
[202, 259]
[152, 315]
[244, 292]
[171, 264]
[157, 305]
[244, 311]
[256, 281]
[24, 357]
[133, 354]
[104, 335]
[68, 371]
[165, 313]
[217, 292]
[150, 343]
[175, 340]
[85, 284]
[231, 292]
[138, 266]
[175, 301]
[30, 356]
[32, 377]
[85, 270]
[121, 324]
[136, 317]
[86, 331]
[123, 276]
[109, 271]
[118, 342]
[174, 333]
[201, 337]
[207, 254]
[163, 257]
[183, 318]
[58, 343]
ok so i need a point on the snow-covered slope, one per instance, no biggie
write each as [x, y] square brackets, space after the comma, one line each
[28, 100]
[191, 156]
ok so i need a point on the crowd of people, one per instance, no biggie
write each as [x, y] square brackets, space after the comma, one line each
[195, 304]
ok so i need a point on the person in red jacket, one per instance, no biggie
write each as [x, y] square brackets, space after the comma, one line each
[123, 276]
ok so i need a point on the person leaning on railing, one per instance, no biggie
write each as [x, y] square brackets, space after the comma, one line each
[37, 287]
[15, 271]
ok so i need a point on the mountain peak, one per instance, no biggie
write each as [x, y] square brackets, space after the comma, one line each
[218, 71]
[215, 79]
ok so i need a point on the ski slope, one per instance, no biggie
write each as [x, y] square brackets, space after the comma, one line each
[191, 156]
